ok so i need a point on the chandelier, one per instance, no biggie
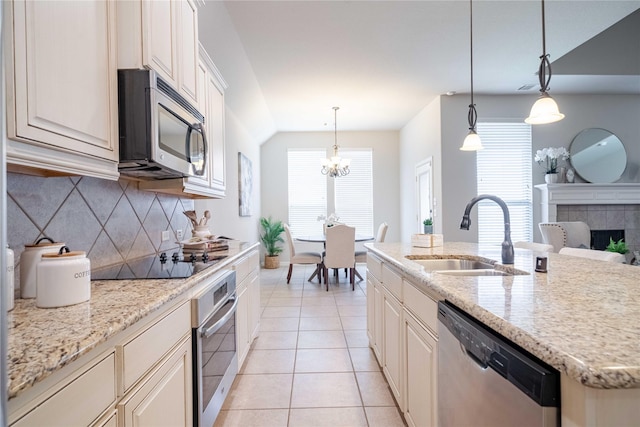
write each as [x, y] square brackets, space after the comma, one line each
[335, 166]
[472, 141]
[545, 110]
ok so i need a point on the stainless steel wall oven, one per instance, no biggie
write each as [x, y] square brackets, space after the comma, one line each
[215, 360]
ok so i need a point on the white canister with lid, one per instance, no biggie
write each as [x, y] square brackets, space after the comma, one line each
[29, 261]
[9, 279]
[63, 278]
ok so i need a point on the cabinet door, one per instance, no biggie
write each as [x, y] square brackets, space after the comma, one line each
[215, 133]
[392, 349]
[165, 396]
[254, 305]
[242, 324]
[188, 52]
[371, 314]
[421, 374]
[377, 327]
[160, 38]
[62, 86]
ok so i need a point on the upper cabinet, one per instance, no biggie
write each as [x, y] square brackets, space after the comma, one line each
[61, 80]
[163, 36]
[212, 184]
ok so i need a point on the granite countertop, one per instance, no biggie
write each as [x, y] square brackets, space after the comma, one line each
[581, 317]
[41, 341]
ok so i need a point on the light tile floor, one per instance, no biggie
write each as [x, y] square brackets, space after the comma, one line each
[311, 364]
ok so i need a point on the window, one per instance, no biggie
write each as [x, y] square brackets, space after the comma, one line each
[354, 192]
[504, 170]
[307, 191]
[310, 192]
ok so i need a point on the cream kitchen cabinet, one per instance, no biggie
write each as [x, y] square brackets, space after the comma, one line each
[61, 79]
[163, 36]
[248, 293]
[138, 377]
[420, 353]
[164, 397]
[402, 330]
[211, 88]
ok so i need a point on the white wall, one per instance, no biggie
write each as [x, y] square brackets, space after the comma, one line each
[618, 114]
[226, 219]
[420, 139]
[386, 182]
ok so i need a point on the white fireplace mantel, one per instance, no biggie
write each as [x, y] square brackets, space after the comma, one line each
[585, 194]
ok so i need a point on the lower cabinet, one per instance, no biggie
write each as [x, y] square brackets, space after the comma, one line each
[420, 352]
[248, 312]
[392, 347]
[164, 397]
[402, 335]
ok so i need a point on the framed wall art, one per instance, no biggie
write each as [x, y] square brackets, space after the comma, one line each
[245, 184]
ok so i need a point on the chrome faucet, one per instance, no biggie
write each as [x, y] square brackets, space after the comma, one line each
[507, 246]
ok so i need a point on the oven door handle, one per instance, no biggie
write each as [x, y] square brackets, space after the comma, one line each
[214, 328]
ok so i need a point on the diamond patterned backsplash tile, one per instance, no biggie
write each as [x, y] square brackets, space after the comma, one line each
[111, 221]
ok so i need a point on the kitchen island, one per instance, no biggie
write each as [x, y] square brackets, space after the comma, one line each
[47, 345]
[581, 317]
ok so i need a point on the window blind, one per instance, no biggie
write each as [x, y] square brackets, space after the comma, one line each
[354, 192]
[504, 170]
[307, 190]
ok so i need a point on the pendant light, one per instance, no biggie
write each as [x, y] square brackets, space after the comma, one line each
[335, 166]
[472, 141]
[545, 110]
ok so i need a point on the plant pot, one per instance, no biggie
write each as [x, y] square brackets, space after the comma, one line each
[272, 261]
[428, 229]
[551, 178]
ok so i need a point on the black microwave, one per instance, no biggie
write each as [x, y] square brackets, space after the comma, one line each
[162, 135]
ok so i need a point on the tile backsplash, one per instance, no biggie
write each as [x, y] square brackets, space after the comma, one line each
[606, 217]
[112, 221]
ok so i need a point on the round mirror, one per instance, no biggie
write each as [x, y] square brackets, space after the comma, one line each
[598, 156]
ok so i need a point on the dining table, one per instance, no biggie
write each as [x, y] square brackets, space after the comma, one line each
[322, 238]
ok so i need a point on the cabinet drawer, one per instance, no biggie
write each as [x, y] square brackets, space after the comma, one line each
[146, 349]
[88, 395]
[374, 266]
[246, 265]
[423, 307]
[392, 281]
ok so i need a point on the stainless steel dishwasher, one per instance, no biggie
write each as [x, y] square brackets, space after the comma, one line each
[485, 380]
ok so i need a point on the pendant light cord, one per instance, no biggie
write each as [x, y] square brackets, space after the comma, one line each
[545, 65]
[335, 127]
[473, 114]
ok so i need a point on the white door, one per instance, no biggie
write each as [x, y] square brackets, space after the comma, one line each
[424, 192]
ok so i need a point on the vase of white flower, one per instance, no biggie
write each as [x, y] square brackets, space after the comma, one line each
[549, 156]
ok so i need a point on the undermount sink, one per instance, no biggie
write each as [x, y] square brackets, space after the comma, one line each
[460, 267]
[453, 264]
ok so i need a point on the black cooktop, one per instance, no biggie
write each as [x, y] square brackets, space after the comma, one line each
[159, 266]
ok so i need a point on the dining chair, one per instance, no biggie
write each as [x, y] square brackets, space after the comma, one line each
[594, 254]
[572, 234]
[302, 257]
[340, 251]
[361, 256]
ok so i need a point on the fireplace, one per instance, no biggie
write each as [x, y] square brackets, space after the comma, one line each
[604, 207]
[600, 238]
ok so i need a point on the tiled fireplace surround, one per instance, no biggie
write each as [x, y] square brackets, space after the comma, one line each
[111, 221]
[602, 206]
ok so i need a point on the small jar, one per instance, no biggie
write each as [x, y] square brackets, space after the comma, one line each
[10, 279]
[29, 261]
[63, 278]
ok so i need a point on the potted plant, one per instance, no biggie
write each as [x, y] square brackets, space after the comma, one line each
[271, 238]
[620, 246]
[428, 226]
[550, 157]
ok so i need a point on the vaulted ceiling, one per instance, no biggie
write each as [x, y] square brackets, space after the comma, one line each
[381, 62]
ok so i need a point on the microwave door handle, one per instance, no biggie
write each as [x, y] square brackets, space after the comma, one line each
[213, 328]
[198, 127]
